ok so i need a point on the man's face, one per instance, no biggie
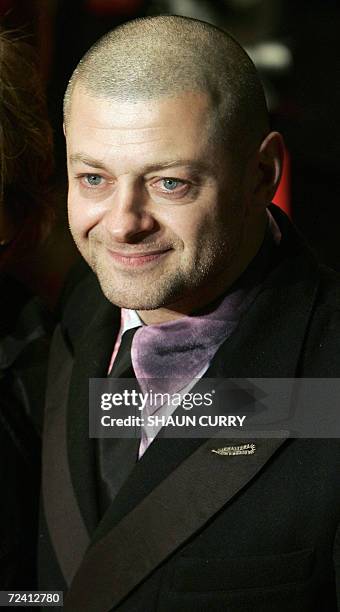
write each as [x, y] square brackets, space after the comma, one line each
[155, 206]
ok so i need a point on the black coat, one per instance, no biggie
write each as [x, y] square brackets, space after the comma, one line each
[190, 530]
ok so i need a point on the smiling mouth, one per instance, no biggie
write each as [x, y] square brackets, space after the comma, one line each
[137, 259]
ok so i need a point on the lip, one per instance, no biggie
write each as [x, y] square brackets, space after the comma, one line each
[137, 259]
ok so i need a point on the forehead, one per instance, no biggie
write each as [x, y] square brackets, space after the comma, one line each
[115, 129]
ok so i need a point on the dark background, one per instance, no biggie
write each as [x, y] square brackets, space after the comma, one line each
[295, 46]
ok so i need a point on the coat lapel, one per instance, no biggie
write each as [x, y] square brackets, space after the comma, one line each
[56, 475]
[92, 356]
[68, 451]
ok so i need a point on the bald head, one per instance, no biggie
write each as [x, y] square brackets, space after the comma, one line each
[159, 57]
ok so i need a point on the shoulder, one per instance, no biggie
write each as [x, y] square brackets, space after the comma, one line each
[79, 296]
[322, 343]
[81, 299]
[315, 292]
[329, 288]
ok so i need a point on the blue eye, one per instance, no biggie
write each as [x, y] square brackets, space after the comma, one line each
[170, 184]
[93, 179]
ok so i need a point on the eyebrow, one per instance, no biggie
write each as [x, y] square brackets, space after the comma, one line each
[195, 165]
[88, 161]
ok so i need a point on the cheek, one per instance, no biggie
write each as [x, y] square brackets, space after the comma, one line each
[201, 225]
[204, 227]
[82, 215]
[215, 235]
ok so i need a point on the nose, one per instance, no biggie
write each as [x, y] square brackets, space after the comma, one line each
[128, 218]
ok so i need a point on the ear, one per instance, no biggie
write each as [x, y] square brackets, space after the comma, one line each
[269, 168]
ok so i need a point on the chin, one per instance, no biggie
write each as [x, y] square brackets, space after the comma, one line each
[126, 299]
[130, 301]
[142, 294]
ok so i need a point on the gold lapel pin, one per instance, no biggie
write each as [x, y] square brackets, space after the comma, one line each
[243, 449]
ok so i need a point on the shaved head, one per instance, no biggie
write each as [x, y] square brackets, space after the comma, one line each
[164, 56]
[170, 163]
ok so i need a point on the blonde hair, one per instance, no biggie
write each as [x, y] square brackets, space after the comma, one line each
[161, 56]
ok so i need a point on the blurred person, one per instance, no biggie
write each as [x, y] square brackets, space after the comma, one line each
[25, 217]
[172, 168]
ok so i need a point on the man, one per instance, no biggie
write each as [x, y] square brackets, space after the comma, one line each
[172, 167]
